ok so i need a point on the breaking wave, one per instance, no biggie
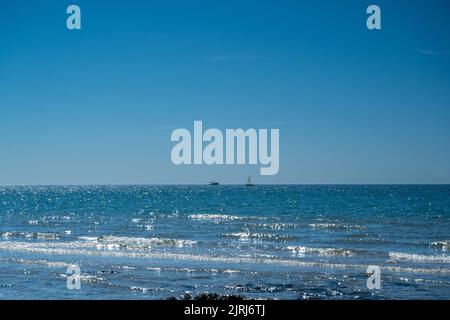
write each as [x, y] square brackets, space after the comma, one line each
[271, 226]
[418, 257]
[86, 248]
[246, 235]
[441, 245]
[329, 252]
[31, 235]
[141, 243]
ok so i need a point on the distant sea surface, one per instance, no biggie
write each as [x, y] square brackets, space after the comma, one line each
[278, 242]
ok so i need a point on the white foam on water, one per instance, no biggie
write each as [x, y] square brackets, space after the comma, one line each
[418, 257]
[214, 217]
[86, 278]
[246, 235]
[300, 250]
[55, 264]
[145, 290]
[88, 238]
[31, 235]
[142, 243]
[241, 235]
[335, 227]
[157, 269]
[141, 289]
[231, 271]
[272, 226]
[87, 248]
[49, 219]
[136, 243]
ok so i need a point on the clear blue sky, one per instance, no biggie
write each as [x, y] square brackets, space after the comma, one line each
[97, 106]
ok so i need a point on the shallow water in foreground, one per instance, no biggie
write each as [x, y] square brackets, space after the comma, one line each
[280, 242]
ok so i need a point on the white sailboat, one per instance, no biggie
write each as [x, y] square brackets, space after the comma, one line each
[249, 182]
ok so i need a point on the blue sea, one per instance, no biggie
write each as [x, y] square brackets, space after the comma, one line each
[261, 242]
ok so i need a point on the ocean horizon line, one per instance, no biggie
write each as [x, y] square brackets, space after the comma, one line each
[221, 184]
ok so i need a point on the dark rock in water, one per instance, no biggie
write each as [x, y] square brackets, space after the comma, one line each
[186, 296]
[215, 296]
[209, 297]
[107, 271]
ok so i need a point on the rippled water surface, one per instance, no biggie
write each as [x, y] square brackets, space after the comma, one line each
[281, 242]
